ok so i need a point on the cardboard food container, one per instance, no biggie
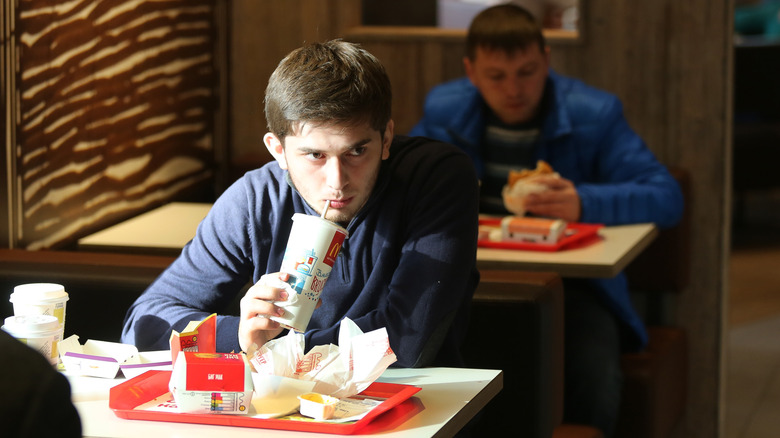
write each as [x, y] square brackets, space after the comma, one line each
[212, 383]
[317, 406]
[536, 230]
[200, 336]
[94, 358]
[146, 361]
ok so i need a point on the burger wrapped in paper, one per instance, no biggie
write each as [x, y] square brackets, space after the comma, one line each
[523, 183]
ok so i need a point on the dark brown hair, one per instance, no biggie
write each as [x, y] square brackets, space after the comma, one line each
[505, 27]
[333, 82]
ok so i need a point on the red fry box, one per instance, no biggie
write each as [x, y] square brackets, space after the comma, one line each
[212, 383]
[536, 230]
[200, 336]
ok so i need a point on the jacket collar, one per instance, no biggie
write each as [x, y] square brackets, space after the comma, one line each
[467, 124]
[557, 121]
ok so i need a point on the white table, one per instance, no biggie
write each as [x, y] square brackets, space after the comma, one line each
[605, 258]
[449, 398]
[164, 230]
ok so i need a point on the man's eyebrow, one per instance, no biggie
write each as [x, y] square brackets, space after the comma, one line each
[531, 64]
[352, 147]
[359, 143]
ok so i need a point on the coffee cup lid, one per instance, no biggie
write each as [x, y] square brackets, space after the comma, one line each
[32, 323]
[39, 292]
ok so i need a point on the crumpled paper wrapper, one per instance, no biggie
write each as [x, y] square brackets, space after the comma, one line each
[339, 371]
[514, 196]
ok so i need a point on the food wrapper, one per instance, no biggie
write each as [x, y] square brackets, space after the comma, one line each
[339, 371]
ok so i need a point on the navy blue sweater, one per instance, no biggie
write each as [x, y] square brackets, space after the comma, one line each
[409, 264]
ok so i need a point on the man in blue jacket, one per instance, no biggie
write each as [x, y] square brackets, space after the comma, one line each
[511, 111]
[410, 206]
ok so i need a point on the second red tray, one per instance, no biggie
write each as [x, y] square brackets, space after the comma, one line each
[576, 235]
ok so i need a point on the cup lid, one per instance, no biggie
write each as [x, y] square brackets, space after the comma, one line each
[38, 292]
[321, 221]
[32, 323]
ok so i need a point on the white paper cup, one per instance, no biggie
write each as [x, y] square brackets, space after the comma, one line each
[40, 332]
[311, 251]
[40, 299]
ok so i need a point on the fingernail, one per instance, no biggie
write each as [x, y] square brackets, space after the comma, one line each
[283, 296]
[280, 311]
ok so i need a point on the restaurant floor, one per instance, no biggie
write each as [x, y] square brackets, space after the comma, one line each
[753, 333]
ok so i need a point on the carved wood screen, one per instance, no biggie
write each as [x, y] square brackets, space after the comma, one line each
[110, 110]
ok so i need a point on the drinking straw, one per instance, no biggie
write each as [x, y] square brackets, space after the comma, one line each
[325, 210]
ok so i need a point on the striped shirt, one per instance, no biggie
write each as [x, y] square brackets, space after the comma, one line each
[504, 148]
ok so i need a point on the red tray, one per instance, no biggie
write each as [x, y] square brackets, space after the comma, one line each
[397, 408]
[576, 235]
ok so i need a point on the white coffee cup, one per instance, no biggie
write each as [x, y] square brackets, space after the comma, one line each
[40, 299]
[312, 248]
[39, 332]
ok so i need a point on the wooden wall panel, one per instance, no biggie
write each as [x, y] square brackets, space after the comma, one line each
[670, 63]
[7, 87]
[626, 51]
[417, 59]
[262, 33]
[115, 107]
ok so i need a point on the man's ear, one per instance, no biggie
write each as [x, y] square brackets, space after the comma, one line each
[387, 140]
[469, 68]
[547, 58]
[276, 148]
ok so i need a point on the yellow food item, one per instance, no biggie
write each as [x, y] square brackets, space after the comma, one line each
[542, 168]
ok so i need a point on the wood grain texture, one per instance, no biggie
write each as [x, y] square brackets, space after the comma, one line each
[115, 108]
[262, 32]
[419, 58]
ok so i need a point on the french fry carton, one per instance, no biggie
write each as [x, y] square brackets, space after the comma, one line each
[200, 336]
[212, 383]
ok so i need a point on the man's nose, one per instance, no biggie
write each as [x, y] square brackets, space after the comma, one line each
[335, 176]
[513, 87]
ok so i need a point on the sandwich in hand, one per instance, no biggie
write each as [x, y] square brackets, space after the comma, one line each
[522, 183]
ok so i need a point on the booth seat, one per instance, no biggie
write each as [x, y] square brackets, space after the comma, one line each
[655, 380]
[516, 325]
